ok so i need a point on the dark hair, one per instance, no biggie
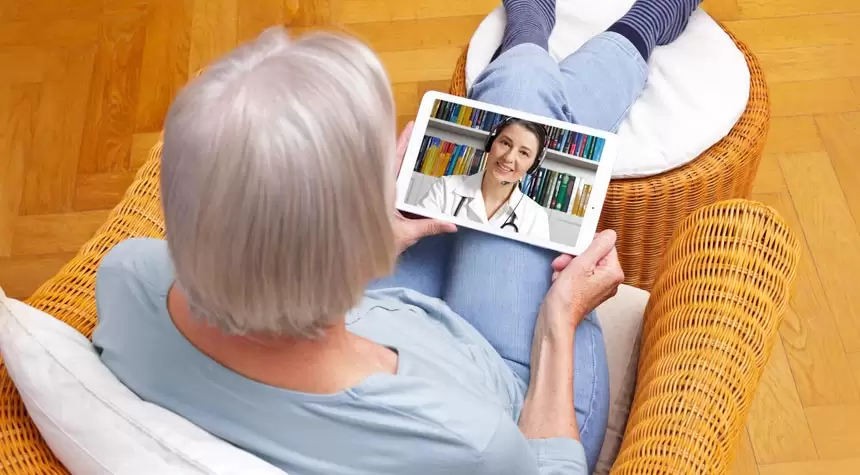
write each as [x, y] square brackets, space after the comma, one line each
[537, 129]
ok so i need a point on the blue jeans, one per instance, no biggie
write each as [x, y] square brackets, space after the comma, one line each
[498, 284]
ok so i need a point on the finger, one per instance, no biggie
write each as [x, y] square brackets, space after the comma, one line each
[610, 259]
[600, 247]
[403, 140]
[610, 268]
[560, 262]
[611, 262]
[431, 227]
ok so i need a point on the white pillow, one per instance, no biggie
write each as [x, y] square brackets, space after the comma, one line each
[90, 420]
[698, 86]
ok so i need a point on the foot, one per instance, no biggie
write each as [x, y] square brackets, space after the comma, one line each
[529, 21]
[655, 22]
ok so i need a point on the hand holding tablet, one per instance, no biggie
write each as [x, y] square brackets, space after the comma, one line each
[506, 172]
[408, 231]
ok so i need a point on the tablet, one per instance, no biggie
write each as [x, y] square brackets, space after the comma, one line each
[482, 167]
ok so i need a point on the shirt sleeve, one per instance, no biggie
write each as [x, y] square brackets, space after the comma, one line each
[559, 456]
[434, 200]
[510, 453]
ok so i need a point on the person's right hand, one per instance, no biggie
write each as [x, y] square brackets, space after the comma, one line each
[582, 283]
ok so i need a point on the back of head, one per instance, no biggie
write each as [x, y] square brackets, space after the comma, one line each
[278, 183]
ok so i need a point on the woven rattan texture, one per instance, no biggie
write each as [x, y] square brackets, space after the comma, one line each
[710, 324]
[645, 212]
[709, 329]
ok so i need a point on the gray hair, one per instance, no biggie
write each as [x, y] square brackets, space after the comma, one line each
[277, 181]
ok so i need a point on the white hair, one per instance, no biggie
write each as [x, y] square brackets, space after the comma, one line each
[277, 181]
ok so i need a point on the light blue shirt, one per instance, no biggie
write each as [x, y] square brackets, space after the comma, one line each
[451, 408]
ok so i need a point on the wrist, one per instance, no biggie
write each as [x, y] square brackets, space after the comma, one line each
[560, 323]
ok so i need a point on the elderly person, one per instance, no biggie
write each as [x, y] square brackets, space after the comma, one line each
[271, 317]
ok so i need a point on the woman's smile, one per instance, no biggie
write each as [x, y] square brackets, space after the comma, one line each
[504, 168]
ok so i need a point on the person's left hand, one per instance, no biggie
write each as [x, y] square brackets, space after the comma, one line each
[408, 231]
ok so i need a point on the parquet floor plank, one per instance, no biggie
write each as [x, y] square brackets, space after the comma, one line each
[113, 95]
[777, 426]
[163, 70]
[818, 96]
[213, 32]
[821, 370]
[830, 230]
[51, 233]
[18, 106]
[50, 179]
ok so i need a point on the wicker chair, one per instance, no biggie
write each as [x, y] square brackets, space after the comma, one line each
[645, 212]
[709, 327]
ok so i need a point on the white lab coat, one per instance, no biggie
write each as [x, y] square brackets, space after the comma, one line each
[444, 196]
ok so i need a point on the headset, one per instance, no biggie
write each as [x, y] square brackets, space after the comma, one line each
[533, 169]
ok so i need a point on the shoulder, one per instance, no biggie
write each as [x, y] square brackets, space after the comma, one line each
[135, 274]
[427, 411]
[457, 431]
[143, 259]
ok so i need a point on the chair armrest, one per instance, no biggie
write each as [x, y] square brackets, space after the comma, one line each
[709, 328]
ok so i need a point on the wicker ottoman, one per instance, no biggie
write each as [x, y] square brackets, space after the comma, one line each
[645, 212]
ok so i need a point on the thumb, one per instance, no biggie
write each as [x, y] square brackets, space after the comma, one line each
[403, 139]
[600, 247]
[430, 227]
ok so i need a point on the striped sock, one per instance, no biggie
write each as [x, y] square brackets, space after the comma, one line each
[529, 21]
[654, 22]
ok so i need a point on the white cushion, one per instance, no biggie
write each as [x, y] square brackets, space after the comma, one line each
[621, 320]
[698, 85]
[90, 420]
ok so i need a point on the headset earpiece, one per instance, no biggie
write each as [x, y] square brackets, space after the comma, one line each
[538, 161]
[541, 155]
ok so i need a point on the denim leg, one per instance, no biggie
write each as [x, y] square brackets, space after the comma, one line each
[498, 284]
[423, 267]
[602, 80]
[591, 387]
[595, 86]
[524, 78]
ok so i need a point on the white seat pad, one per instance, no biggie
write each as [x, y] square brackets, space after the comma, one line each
[697, 89]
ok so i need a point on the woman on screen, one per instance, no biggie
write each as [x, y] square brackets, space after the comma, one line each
[515, 149]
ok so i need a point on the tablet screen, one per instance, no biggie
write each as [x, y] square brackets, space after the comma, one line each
[506, 172]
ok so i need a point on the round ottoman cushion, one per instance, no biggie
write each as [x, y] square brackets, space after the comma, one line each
[697, 89]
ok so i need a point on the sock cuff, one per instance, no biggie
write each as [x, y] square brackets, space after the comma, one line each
[634, 36]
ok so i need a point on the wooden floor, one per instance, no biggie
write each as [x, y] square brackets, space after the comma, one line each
[84, 85]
